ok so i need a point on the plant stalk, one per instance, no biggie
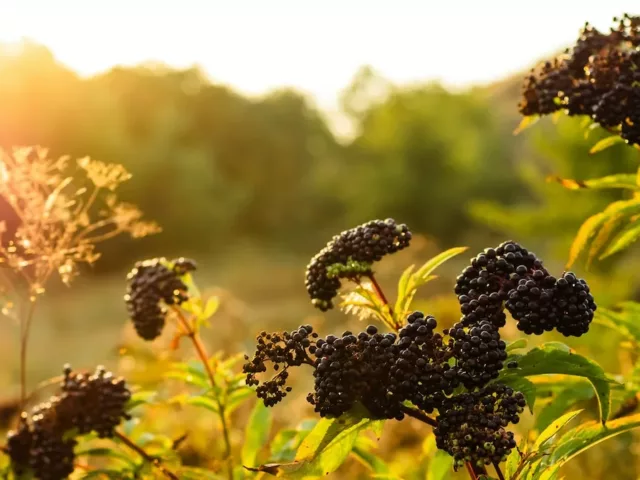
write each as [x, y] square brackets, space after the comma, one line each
[379, 291]
[419, 415]
[147, 458]
[472, 472]
[496, 465]
[204, 358]
[25, 325]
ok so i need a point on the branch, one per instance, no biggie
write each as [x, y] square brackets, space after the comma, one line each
[147, 458]
[419, 415]
[496, 465]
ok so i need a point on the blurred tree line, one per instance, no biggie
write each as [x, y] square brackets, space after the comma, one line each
[216, 168]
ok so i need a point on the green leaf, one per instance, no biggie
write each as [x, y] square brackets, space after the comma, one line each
[521, 384]
[325, 448]
[237, 398]
[105, 453]
[624, 239]
[624, 322]
[141, 398]
[370, 460]
[194, 473]
[210, 308]
[256, 433]
[549, 432]
[592, 226]
[441, 466]
[203, 402]
[606, 143]
[518, 344]
[410, 281]
[585, 436]
[103, 473]
[286, 442]
[190, 373]
[526, 122]
[621, 180]
[574, 392]
[556, 358]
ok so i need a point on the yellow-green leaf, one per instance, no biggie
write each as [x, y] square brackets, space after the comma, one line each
[440, 466]
[525, 123]
[562, 401]
[624, 239]
[555, 358]
[549, 432]
[256, 433]
[606, 143]
[585, 436]
[622, 180]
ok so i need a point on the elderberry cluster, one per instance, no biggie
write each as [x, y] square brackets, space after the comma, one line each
[509, 276]
[471, 426]
[151, 286]
[350, 255]
[282, 350]
[85, 403]
[599, 77]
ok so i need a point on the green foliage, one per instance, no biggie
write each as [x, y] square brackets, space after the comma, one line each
[325, 448]
[557, 358]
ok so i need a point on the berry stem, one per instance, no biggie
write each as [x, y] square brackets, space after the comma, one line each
[383, 298]
[419, 415]
[204, 358]
[496, 465]
[147, 458]
[25, 326]
[472, 472]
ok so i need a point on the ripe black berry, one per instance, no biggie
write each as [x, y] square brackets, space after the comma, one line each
[471, 426]
[151, 286]
[574, 305]
[350, 255]
[597, 78]
[282, 350]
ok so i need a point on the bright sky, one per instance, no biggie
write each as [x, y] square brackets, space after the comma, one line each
[316, 46]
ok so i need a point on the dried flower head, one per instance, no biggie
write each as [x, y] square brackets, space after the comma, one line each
[61, 213]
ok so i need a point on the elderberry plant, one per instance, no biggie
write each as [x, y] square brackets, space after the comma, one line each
[465, 381]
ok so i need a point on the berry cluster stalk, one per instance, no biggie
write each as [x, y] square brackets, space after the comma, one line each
[418, 414]
[147, 458]
[25, 325]
[204, 358]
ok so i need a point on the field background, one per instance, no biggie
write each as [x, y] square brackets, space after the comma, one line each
[252, 187]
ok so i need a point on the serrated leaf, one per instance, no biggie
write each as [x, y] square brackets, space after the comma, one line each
[621, 180]
[517, 345]
[441, 466]
[325, 448]
[606, 143]
[256, 433]
[556, 359]
[624, 239]
[585, 436]
[549, 432]
[525, 123]
[603, 236]
[562, 401]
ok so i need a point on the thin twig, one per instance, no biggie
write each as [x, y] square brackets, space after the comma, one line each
[25, 325]
[418, 415]
[472, 472]
[379, 291]
[147, 458]
[496, 465]
[204, 357]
